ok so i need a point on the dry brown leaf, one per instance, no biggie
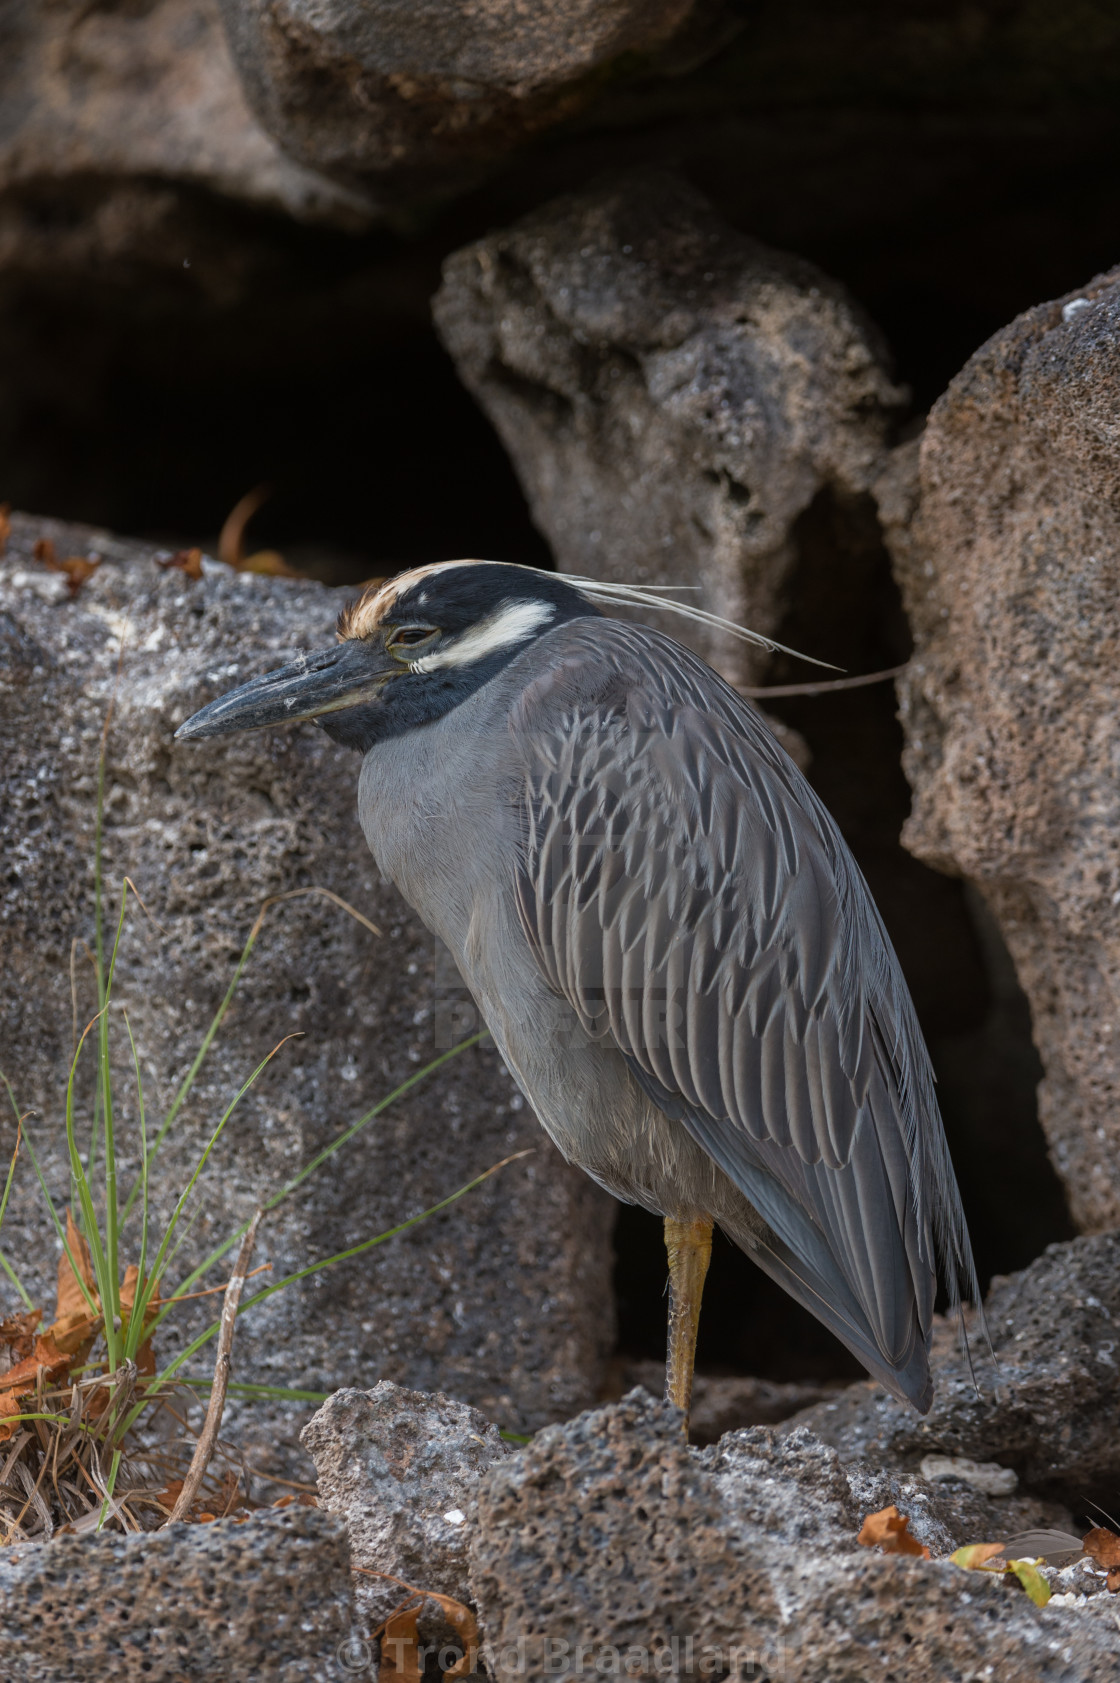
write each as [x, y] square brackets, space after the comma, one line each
[77, 568]
[169, 1495]
[1103, 1547]
[208, 1508]
[297, 1499]
[5, 525]
[10, 1407]
[21, 1381]
[465, 1626]
[49, 1356]
[46, 1355]
[74, 1321]
[457, 1615]
[187, 561]
[889, 1531]
[18, 1332]
[71, 1297]
[400, 1658]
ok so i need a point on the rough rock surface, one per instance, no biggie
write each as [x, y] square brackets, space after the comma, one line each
[504, 1300]
[116, 111]
[672, 394]
[1007, 550]
[409, 96]
[723, 1404]
[266, 1596]
[1051, 1408]
[610, 1534]
[402, 1468]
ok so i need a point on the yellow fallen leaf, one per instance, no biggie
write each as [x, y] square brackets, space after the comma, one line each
[1031, 1579]
[991, 1558]
[975, 1556]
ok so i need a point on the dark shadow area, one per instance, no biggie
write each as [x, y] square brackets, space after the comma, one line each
[376, 456]
[952, 166]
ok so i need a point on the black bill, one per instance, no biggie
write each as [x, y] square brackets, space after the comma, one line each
[347, 676]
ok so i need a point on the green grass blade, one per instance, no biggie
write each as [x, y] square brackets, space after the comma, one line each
[161, 1255]
[189, 1079]
[4, 1263]
[111, 1289]
[328, 1151]
[98, 926]
[216, 1022]
[286, 1393]
[356, 1127]
[80, 1182]
[16, 1282]
[368, 1244]
[94, 1307]
[110, 1482]
[211, 1331]
[144, 1286]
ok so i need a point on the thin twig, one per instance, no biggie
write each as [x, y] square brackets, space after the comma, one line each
[828, 687]
[298, 894]
[153, 921]
[204, 1448]
[288, 1483]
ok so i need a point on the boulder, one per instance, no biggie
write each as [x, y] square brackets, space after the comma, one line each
[402, 1469]
[1048, 1407]
[1005, 527]
[608, 1546]
[503, 1300]
[672, 394]
[407, 97]
[115, 118]
[263, 1595]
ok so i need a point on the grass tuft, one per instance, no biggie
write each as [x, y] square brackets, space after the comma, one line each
[93, 1431]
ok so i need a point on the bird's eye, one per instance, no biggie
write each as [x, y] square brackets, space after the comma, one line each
[411, 636]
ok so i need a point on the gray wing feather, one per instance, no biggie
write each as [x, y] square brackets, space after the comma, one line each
[683, 888]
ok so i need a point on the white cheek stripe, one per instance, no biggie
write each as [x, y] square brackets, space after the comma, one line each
[511, 624]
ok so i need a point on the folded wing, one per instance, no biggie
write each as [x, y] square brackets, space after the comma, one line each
[683, 888]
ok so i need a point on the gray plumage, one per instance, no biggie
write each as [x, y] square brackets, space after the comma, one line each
[683, 968]
[663, 929]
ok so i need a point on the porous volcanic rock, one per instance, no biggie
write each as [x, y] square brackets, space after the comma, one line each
[503, 1300]
[408, 96]
[672, 394]
[1050, 1406]
[1006, 544]
[608, 1545]
[402, 1469]
[723, 1403]
[263, 1595]
[113, 117]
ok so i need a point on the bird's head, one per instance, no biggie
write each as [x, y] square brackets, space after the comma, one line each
[407, 653]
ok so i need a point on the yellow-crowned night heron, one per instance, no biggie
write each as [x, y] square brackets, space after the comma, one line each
[670, 943]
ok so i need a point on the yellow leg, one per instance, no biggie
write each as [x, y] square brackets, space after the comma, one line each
[689, 1244]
